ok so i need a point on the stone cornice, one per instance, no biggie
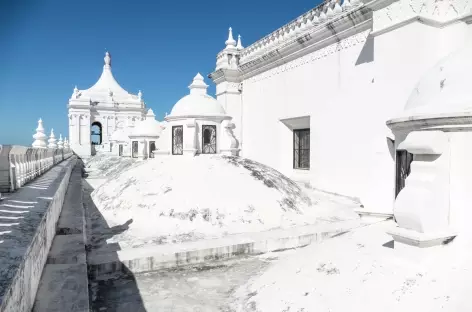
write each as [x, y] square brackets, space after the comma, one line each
[343, 27]
[445, 122]
[324, 13]
[230, 75]
[309, 54]
[438, 14]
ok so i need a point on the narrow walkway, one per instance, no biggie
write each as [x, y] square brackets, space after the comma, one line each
[64, 283]
[26, 218]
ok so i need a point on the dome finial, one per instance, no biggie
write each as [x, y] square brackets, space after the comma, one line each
[198, 85]
[230, 41]
[239, 46]
[140, 95]
[52, 140]
[39, 136]
[107, 59]
[150, 113]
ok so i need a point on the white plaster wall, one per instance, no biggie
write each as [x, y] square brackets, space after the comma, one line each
[461, 182]
[349, 91]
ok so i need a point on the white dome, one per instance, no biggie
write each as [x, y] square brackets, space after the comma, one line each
[445, 90]
[120, 135]
[198, 102]
[148, 127]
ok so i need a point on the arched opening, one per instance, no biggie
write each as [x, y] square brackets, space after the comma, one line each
[152, 148]
[208, 139]
[96, 133]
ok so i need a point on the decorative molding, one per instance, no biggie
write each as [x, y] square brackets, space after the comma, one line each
[312, 57]
[320, 15]
[436, 13]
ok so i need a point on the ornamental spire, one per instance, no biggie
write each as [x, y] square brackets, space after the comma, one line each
[239, 46]
[52, 140]
[39, 137]
[60, 143]
[66, 143]
[230, 42]
[198, 85]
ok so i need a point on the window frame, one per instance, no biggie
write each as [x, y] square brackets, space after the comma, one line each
[204, 127]
[173, 140]
[296, 135]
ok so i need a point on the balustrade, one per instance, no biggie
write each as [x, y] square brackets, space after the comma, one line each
[19, 164]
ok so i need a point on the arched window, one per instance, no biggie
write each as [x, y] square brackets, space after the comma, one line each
[208, 139]
[96, 133]
[152, 148]
[177, 140]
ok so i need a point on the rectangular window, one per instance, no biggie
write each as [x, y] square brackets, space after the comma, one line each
[177, 140]
[134, 149]
[301, 149]
[208, 139]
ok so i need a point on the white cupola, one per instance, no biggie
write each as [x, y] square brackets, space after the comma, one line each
[144, 135]
[197, 124]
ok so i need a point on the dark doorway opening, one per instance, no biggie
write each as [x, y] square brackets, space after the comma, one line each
[120, 150]
[403, 162]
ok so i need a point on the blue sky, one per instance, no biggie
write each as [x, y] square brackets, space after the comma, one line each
[48, 47]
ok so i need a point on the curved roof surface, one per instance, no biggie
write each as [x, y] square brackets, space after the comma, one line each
[444, 90]
[198, 102]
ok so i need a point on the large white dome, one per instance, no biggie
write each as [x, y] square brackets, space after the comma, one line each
[445, 90]
[198, 102]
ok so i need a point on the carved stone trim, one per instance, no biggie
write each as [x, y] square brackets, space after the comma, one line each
[312, 57]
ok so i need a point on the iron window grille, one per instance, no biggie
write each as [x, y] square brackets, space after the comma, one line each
[177, 140]
[135, 149]
[301, 149]
[208, 139]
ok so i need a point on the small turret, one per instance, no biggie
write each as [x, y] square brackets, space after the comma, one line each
[230, 42]
[239, 46]
[60, 143]
[39, 136]
[52, 140]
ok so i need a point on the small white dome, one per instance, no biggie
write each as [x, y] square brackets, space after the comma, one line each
[198, 102]
[148, 127]
[120, 135]
[445, 90]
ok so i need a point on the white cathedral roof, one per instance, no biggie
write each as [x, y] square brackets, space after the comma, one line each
[120, 135]
[107, 87]
[198, 103]
[148, 127]
[444, 91]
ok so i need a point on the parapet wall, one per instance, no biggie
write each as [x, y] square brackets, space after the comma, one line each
[24, 248]
[21, 164]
